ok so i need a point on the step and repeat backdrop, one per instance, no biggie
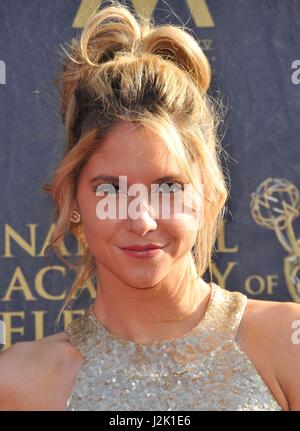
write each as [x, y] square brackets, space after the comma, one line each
[254, 50]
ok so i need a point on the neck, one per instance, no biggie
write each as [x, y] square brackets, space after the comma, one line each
[166, 310]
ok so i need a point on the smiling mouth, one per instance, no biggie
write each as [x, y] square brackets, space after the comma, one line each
[140, 247]
[144, 253]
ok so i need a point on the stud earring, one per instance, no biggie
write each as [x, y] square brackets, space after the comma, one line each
[75, 218]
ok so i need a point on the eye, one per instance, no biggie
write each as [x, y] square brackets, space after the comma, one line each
[109, 188]
[175, 187]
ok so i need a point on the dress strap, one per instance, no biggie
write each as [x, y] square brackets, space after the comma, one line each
[79, 332]
[219, 324]
[226, 312]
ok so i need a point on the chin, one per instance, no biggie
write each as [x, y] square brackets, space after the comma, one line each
[141, 280]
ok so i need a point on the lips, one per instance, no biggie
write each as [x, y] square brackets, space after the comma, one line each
[143, 252]
[138, 247]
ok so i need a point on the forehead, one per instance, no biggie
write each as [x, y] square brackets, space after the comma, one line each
[137, 153]
[131, 147]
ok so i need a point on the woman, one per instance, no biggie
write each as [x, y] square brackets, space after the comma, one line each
[137, 116]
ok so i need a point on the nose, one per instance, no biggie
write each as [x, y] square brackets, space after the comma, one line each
[142, 219]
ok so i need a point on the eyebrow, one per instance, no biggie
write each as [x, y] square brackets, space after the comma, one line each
[172, 177]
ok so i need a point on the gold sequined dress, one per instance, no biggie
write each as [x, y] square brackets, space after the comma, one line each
[205, 369]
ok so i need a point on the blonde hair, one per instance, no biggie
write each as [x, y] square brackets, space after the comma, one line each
[124, 68]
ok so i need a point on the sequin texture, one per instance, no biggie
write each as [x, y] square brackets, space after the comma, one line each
[205, 369]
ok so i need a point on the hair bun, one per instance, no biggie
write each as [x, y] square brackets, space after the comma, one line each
[114, 32]
[108, 31]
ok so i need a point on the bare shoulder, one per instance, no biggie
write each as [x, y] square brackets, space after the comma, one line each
[268, 334]
[39, 374]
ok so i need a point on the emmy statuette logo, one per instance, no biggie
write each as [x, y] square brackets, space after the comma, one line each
[276, 205]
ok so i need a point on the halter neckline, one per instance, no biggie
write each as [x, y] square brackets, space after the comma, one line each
[200, 325]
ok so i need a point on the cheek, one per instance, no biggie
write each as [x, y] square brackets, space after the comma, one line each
[100, 235]
[187, 212]
[97, 231]
[95, 225]
[180, 232]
